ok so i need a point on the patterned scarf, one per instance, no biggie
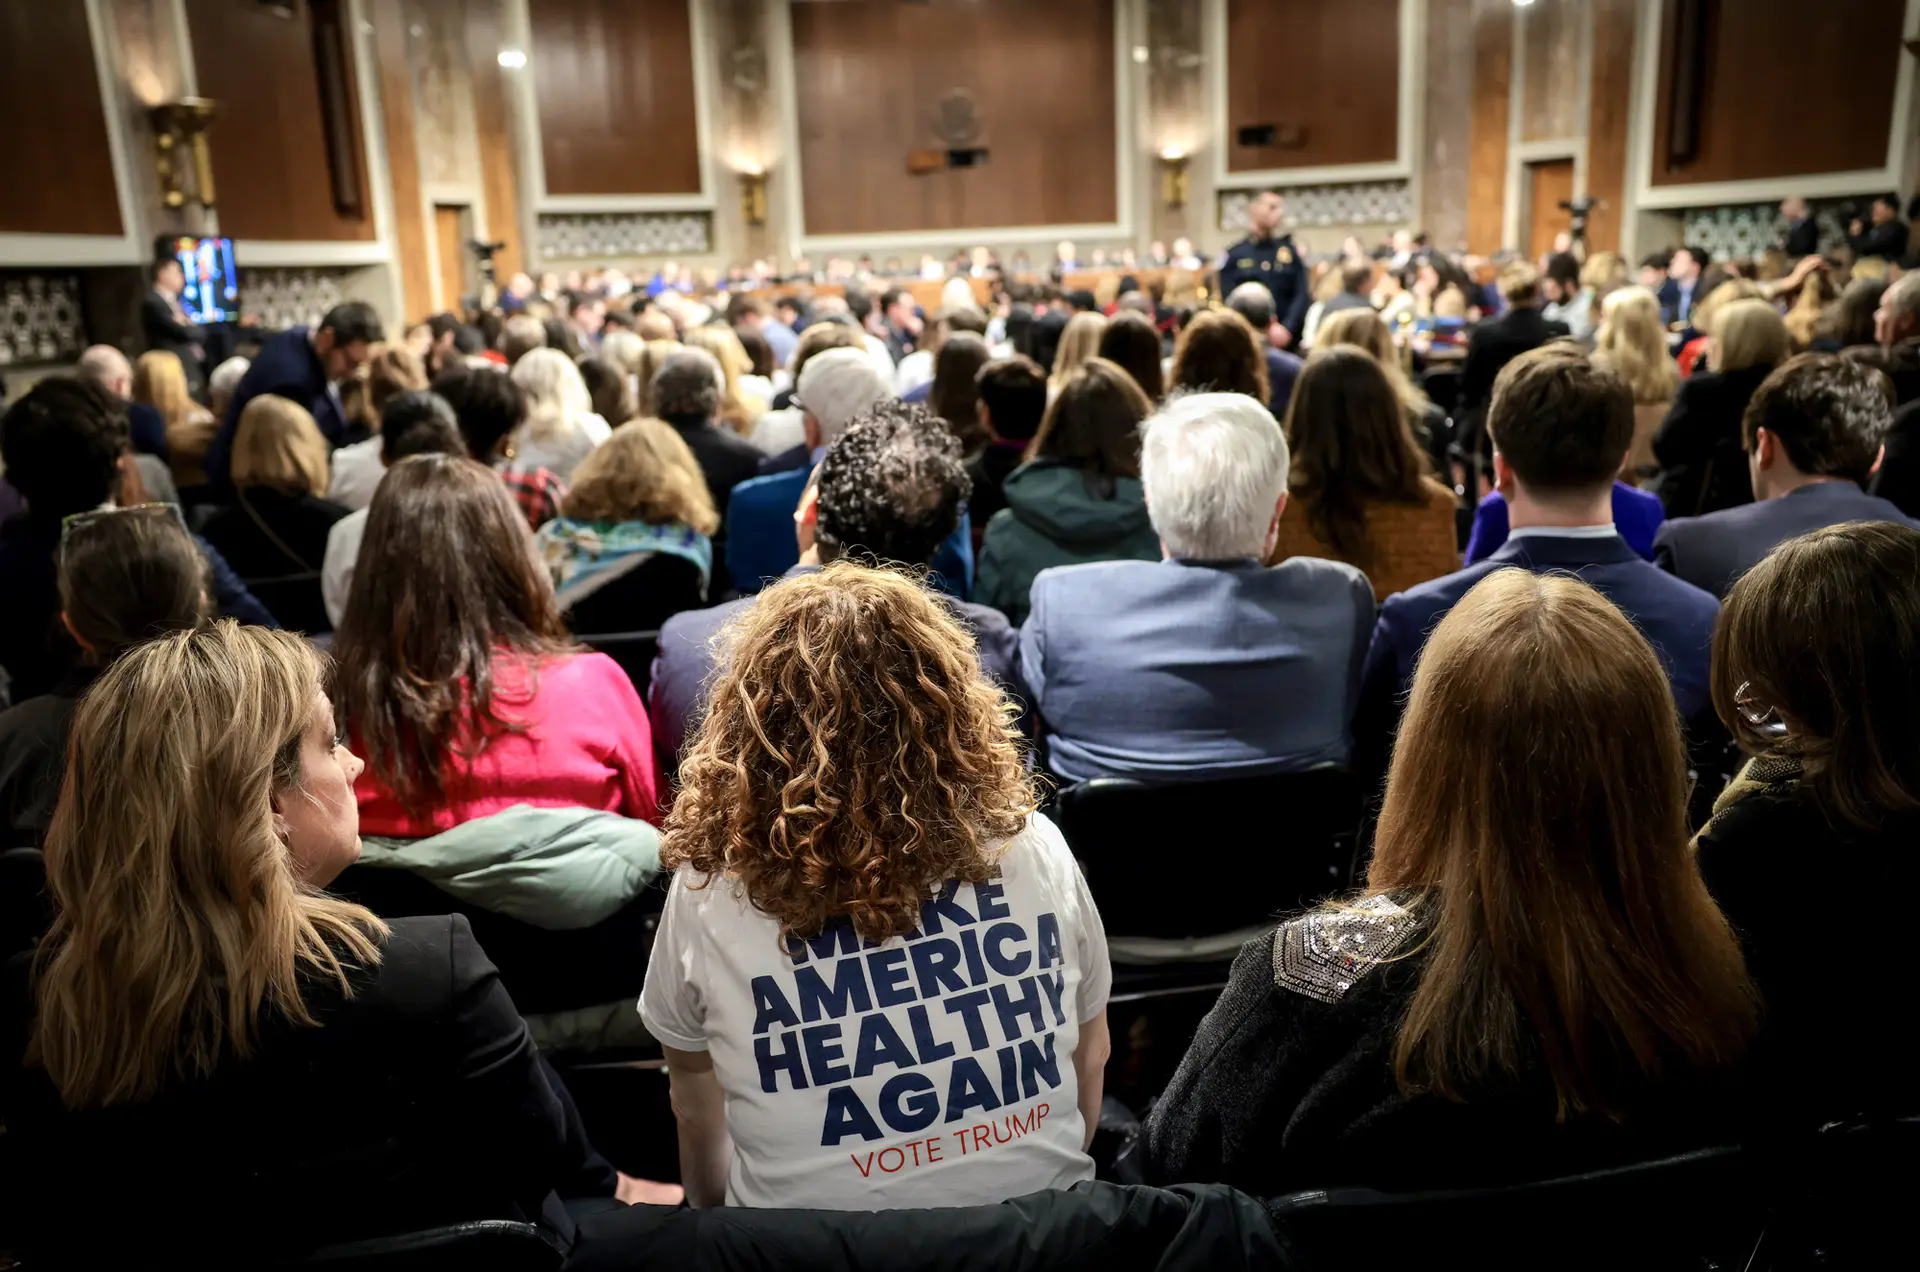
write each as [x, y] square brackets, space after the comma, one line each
[585, 556]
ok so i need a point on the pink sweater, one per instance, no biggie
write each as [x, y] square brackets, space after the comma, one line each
[587, 744]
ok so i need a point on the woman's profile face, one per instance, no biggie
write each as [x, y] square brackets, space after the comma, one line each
[320, 816]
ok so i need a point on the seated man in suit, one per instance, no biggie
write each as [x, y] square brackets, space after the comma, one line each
[1812, 435]
[304, 367]
[1207, 664]
[1561, 427]
[835, 386]
[892, 487]
[1498, 341]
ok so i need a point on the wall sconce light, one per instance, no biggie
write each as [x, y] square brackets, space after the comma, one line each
[753, 195]
[1173, 177]
[180, 129]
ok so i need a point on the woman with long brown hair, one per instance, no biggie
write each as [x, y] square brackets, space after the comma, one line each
[1218, 351]
[1816, 671]
[1363, 329]
[874, 946]
[1534, 980]
[199, 992]
[1078, 497]
[633, 544]
[954, 396]
[1131, 342]
[457, 679]
[1358, 486]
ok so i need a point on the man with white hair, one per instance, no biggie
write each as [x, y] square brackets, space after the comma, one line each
[835, 386]
[1210, 663]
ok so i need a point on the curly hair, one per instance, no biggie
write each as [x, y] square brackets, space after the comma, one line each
[892, 485]
[853, 757]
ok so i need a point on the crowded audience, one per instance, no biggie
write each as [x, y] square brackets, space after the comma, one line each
[1596, 589]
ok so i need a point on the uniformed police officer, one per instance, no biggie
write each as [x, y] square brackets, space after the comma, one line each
[1269, 258]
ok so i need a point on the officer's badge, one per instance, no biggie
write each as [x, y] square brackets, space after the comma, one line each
[1286, 256]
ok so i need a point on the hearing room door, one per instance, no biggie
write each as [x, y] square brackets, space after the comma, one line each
[450, 238]
[1549, 184]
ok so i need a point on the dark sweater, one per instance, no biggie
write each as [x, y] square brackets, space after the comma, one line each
[1289, 1083]
[267, 533]
[1829, 967]
[33, 756]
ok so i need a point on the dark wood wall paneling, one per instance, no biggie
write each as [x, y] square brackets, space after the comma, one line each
[614, 83]
[1330, 70]
[498, 183]
[1487, 147]
[59, 170]
[1790, 87]
[403, 158]
[270, 141]
[1610, 100]
[871, 76]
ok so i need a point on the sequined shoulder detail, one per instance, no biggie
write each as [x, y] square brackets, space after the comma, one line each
[1321, 955]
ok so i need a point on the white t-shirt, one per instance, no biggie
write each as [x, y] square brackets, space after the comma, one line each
[357, 471]
[336, 569]
[934, 1069]
[561, 452]
[914, 370]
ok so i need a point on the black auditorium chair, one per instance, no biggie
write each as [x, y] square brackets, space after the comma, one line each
[634, 651]
[1695, 1211]
[1248, 849]
[1184, 873]
[294, 600]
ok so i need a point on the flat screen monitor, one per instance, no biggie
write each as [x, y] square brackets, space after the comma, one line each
[212, 290]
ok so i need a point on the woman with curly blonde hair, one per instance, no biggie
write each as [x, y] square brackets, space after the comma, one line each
[633, 544]
[877, 961]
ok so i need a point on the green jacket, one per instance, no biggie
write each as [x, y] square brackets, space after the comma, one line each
[556, 868]
[1054, 518]
[561, 869]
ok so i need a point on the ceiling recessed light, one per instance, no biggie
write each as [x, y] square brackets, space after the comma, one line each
[513, 59]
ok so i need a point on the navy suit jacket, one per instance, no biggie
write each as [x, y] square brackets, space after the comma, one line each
[1283, 369]
[287, 367]
[1713, 551]
[1676, 618]
[685, 663]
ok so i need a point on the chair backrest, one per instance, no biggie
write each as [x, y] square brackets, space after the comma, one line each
[293, 599]
[1696, 1210]
[24, 907]
[1245, 849]
[498, 1245]
[634, 651]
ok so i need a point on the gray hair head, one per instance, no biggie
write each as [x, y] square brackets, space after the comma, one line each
[1214, 465]
[687, 386]
[1253, 302]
